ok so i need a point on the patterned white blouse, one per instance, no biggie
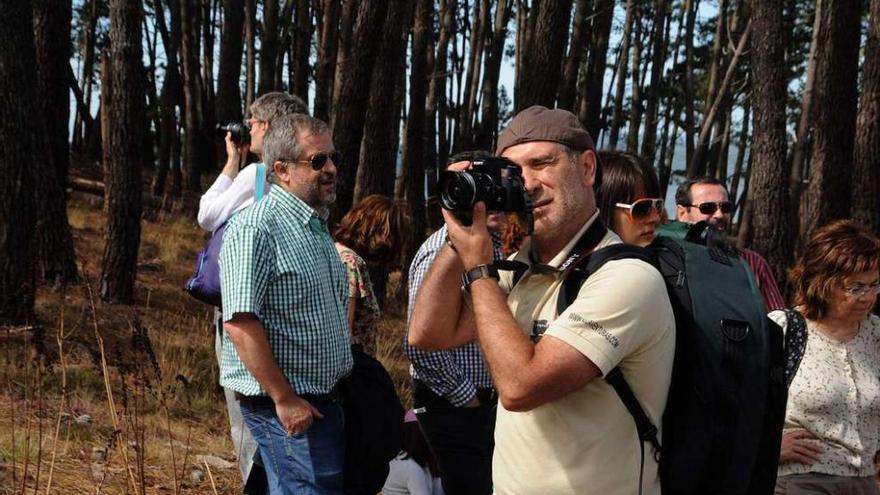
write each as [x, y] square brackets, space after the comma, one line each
[835, 395]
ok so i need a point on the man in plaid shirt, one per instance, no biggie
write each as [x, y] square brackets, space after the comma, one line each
[285, 310]
[452, 389]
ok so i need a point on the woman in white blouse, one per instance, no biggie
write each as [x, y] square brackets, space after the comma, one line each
[832, 424]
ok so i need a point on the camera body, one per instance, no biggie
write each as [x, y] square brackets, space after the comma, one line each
[239, 131]
[494, 180]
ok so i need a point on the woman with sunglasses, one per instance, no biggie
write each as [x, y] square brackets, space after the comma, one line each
[832, 424]
[629, 197]
[371, 233]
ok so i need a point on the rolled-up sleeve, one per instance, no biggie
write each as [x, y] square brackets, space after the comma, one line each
[246, 265]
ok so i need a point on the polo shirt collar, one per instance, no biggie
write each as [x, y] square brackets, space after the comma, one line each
[525, 254]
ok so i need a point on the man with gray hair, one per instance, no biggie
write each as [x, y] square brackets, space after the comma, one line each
[284, 291]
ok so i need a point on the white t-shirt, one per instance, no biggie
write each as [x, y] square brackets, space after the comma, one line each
[835, 395]
[227, 196]
[586, 442]
[406, 477]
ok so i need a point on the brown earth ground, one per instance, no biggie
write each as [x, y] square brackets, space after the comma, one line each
[153, 406]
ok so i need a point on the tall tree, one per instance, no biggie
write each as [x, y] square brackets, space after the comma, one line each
[123, 177]
[250, 34]
[768, 176]
[828, 195]
[268, 47]
[56, 260]
[89, 24]
[352, 89]
[547, 47]
[622, 68]
[378, 160]
[689, 85]
[327, 46]
[866, 156]
[571, 66]
[169, 98]
[659, 42]
[302, 49]
[479, 28]
[192, 93]
[26, 153]
[488, 126]
[635, 105]
[591, 102]
[231, 46]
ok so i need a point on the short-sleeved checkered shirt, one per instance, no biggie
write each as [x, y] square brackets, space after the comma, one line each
[279, 263]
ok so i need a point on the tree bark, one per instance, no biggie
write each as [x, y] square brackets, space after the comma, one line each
[479, 28]
[123, 195]
[622, 68]
[231, 46]
[488, 128]
[268, 47]
[353, 86]
[551, 28]
[768, 176]
[192, 94]
[576, 48]
[591, 103]
[25, 153]
[689, 91]
[284, 25]
[866, 155]
[327, 59]
[635, 106]
[302, 49]
[828, 195]
[437, 88]
[56, 260]
[659, 42]
[169, 98]
[378, 161]
[250, 29]
[87, 55]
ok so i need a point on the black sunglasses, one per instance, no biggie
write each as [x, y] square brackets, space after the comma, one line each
[710, 207]
[318, 160]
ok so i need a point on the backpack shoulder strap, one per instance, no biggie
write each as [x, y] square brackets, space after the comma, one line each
[578, 275]
[259, 181]
[645, 428]
[795, 342]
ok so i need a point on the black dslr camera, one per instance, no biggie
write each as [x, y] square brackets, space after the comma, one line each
[240, 132]
[495, 181]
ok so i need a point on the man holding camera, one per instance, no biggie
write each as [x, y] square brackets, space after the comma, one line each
[560, 428]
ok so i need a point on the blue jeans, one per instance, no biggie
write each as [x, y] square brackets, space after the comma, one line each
[309, 463]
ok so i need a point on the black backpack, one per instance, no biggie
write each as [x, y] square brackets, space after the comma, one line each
[373, 424]
[722, 427]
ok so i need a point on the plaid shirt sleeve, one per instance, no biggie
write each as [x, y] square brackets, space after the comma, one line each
[246, 263]
[437, 369]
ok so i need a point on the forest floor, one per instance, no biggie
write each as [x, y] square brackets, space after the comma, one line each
[99, 398]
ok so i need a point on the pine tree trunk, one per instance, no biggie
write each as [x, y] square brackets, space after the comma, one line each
[866, 155]
[741, 146]
[488, 128]
[378, 162]
[768, 177]
[192, 94]
[302, 49]
[353, 79]
[284, 25]
[56, 260]
[268, 47]
[622, 68]
[463, 131]
[659, 42]
[689, 91]
[572, 65]
[250, 30]
[123, 182]
[591, 102]
[25, 151]
[551, 28]
[828, 195]
[169, 97]
[80, 138]
[635, 107]
[326, 66]
[437, 90]
[231, 45]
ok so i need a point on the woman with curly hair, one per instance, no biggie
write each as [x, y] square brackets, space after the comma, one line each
[832, 424]
[371, 233]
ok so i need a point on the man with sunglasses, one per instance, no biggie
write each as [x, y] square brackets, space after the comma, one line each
[286, 344]
[560, 428]
[706, 199]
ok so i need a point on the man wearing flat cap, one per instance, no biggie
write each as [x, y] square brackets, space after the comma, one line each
[561, 429]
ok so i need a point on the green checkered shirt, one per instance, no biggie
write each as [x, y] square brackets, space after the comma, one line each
[279, 263]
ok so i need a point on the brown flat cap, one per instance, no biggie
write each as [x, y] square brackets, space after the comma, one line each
[538, 123]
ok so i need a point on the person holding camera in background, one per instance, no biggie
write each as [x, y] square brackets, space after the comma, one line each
[234, 188]
[560, 428]
[232, 191]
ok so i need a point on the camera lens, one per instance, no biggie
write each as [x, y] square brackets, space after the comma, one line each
[457, 191]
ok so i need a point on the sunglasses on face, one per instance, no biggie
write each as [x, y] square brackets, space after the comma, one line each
[860, 290]
[318, 160]
[642, 208]
[710, 207]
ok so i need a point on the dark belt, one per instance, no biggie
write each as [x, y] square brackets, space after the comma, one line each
[265, 400]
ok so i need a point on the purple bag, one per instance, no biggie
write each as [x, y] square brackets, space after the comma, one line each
[204, 285]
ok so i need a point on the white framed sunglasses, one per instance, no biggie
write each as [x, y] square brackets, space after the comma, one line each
[641, 209]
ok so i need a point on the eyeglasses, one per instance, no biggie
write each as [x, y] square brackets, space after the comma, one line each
[710, 207]
[318, 160]
[642, 208]
[860, 290]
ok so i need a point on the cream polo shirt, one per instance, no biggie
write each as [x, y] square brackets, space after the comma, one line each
[586, 443]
